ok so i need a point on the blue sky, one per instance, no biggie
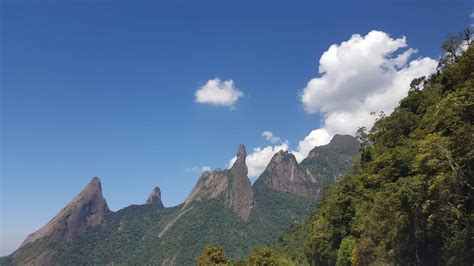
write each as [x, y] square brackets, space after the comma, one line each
[102, 88]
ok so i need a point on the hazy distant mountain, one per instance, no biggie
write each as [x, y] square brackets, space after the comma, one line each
[223, 208]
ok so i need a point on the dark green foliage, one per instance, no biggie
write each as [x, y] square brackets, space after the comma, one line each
[409, 198]
[294, 243]
[118, 239]
[131, 236]
[283, 209]
[344, 253]
[212, 255]
[265, 256]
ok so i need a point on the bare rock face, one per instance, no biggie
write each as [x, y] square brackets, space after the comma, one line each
[84, 212]
[233, 184]
[283, 174]
[241, 196]
[210, 185]
[155, 198]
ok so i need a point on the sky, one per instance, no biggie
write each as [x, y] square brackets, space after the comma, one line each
[152, 93]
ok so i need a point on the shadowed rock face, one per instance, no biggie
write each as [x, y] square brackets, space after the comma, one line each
[233, 184]
[155, 198]
[84, 212]
[283, 174]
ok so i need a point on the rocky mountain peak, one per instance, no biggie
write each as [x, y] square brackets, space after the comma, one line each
[241, 152]
[344, 144]
[241, 196]
[284, 155]
[233, 183]
[284, 174]
[241, 157]
[155, 198]
[84, 212]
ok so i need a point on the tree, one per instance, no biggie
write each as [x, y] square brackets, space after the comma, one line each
[265, 256]
[344, 254]
[415, 85]
[452, 44]
[212, 255]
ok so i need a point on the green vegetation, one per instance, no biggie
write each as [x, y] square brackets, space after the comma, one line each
[345, 252]
[265, 256]
[132, 235]
[212, 255]
[409, 198]
[136, 235]
[118, 239]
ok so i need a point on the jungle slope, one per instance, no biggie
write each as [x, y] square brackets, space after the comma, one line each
[409, 198]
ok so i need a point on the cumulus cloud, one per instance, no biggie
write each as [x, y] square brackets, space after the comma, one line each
[268, 135]
[359, 77]
[317, 137]
[218, 93]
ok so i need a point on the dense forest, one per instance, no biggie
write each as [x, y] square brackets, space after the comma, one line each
[408, 199]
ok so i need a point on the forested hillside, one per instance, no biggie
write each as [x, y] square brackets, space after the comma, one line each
[409, 198]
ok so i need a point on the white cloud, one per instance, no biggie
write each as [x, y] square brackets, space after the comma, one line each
[472, 14]
[317, 137]
[197, 169]
[360, 76]
[219, 93]
[268, 135]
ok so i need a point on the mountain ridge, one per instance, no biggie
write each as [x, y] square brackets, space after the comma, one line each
[220, 200]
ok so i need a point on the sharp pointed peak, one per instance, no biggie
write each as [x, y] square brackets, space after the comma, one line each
[241, 157]
[94, 184]
[241, 152]
[155, 197]
[95, 180]
[156, 189]
[85, 211]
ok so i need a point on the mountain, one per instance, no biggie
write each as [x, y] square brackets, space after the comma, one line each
[155, 198]
[330, 162]
[232, 184]
[409, 198]
[285, 175]
[223, 208]
[85, 212]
